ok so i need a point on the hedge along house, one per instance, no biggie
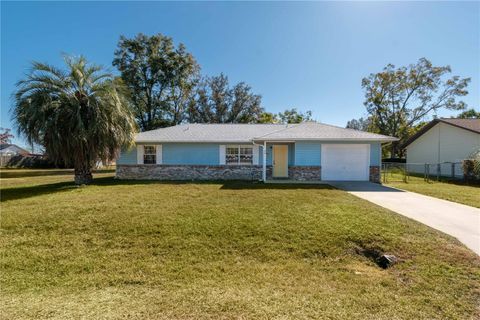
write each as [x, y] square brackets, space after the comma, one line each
[307, 151]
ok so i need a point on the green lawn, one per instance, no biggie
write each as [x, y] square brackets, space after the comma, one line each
[140, 250]
[456, 191]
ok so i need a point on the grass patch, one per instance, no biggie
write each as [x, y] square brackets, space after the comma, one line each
[143, 249]
[452, 190]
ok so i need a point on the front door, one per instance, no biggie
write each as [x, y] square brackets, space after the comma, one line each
[280, 161]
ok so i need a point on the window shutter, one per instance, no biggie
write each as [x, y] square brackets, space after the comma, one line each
[222, 154]
[159, 154]
[255, 155]
[140, 152]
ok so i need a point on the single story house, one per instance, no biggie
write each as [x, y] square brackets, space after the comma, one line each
[442, 142]
[8, 149]
[306, 151]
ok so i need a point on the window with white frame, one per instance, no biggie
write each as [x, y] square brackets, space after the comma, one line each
[149, 155]
[239, 155]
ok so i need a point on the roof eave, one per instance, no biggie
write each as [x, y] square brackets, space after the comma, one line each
[387, 139]
[194, 141]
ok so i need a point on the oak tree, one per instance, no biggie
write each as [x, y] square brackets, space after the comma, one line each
[160, 76]
[398, 99]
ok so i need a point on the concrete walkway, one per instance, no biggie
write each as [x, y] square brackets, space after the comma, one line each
[458, 220]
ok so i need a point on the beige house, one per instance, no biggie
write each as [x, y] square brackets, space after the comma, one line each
[443, 141]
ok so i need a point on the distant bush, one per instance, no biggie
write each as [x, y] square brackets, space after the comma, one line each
[32, 161]
[471, 167]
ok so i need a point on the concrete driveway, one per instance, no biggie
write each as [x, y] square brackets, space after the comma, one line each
[458, 220]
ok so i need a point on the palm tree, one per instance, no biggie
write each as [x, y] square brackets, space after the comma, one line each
[80, 115]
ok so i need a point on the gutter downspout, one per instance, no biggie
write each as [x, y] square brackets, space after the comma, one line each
[264, 172]
[264, 159]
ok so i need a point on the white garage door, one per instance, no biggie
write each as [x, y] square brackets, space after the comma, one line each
[345, 162]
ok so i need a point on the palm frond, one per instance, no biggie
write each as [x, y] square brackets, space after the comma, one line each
[79, 114]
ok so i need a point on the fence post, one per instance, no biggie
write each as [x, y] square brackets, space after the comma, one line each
[384, 165]
[407, 171]
[439, 169]
[427, 172]
[453, 170]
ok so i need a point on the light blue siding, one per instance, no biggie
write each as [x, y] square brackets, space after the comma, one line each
[375, 153]
[291, 154]
[191, 153]
[269, 155]
[128, 156]
[260, 155]
[302, 153]
[307, 153]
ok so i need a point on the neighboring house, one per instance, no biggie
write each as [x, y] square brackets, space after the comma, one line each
[307, 151]
[8, 151]
[443, 141]
[12, 150]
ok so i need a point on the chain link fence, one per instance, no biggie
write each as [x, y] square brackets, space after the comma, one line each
[396, 172]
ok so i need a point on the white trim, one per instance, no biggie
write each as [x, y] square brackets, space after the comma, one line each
[264, 169]
[155, 147]
[379, 160]
[140, 153]
[153, 141]
[158, 155]
[259, 140]
[222, 154]
[383, 140]
[256, 157]
[238, 147]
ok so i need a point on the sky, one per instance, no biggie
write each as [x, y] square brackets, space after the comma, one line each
[308, 55]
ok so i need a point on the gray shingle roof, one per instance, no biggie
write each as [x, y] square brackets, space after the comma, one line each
[321, 131]
[208, 133]
[258, 132]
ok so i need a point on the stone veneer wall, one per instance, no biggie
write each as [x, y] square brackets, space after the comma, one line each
[375, 174]
[204, 172]
[305, 173]
[188, 172]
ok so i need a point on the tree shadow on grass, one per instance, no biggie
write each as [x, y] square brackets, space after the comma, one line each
[23, 192]
[456, 182]
[225, 185]
[464, 183]
[16, 193]
[14, 173]
[241, 185]
[19, 173]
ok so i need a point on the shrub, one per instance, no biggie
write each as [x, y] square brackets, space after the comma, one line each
[471, 166]
[31, 161]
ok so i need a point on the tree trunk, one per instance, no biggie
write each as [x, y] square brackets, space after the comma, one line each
[393, 149]
[83, 175]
